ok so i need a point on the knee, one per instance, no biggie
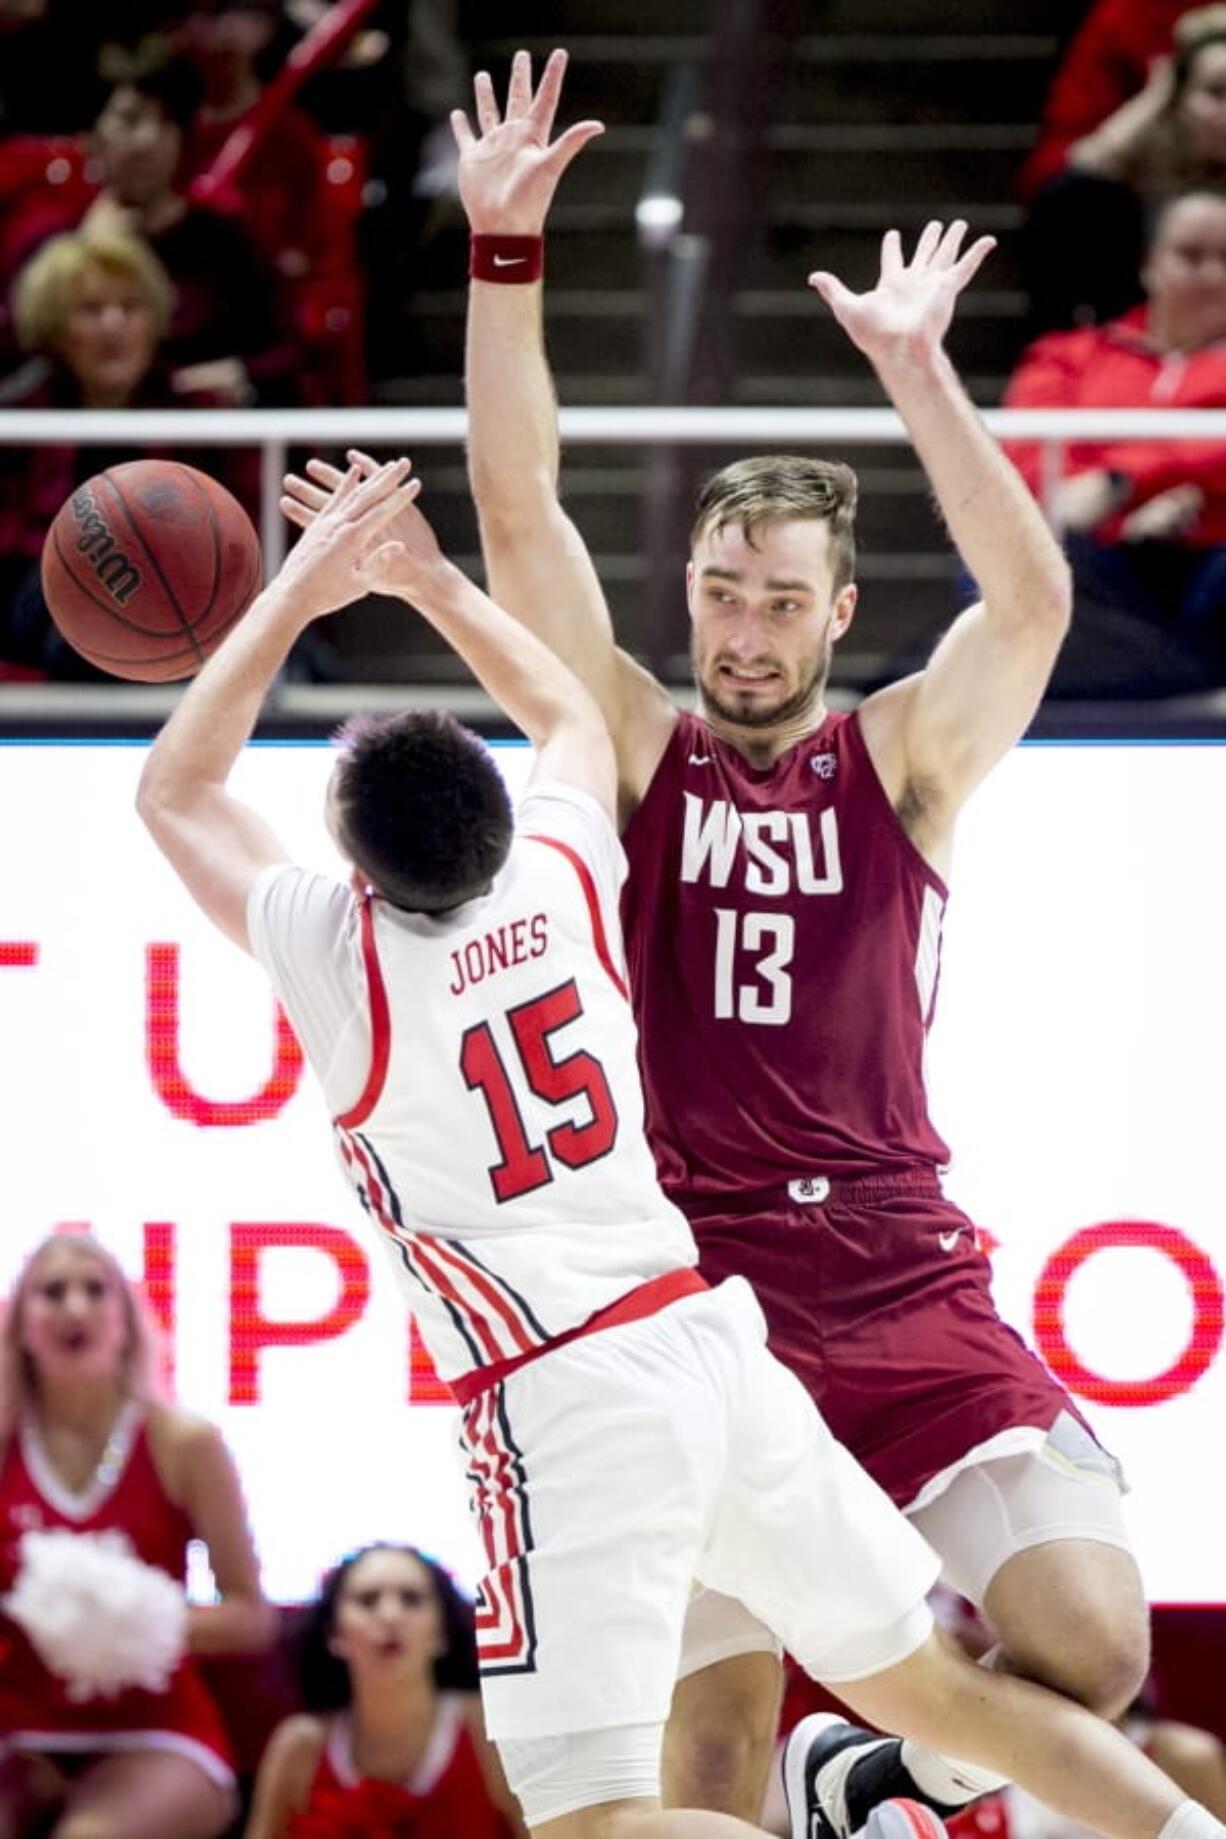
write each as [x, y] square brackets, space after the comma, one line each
[719, 1744]
[1102, 1664]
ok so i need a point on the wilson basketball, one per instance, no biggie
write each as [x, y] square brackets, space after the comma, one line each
[146, 568]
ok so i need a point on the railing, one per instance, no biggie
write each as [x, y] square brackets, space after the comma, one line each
[275, 431]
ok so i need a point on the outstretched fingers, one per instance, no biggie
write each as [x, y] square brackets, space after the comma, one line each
[519, 88]
[974, 259]
[372, 493]
[488, 115]
[837, 297]
[544, 105]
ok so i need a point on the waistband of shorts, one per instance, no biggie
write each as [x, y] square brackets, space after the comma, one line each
[920, 1179]
[644, 1300]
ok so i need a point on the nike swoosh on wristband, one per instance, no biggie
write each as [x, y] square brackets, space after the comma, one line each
[509, 261]
[947, 1240]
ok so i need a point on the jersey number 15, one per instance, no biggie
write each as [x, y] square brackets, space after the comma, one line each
[523, 1166]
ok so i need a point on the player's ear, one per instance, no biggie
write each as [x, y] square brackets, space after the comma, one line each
[844, 609]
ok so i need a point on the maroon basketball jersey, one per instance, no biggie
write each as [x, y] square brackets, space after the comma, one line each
[783, 939]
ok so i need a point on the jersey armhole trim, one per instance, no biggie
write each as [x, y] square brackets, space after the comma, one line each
[590, 895]
[380, 1024]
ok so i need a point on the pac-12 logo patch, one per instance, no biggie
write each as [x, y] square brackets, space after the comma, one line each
[825, 765]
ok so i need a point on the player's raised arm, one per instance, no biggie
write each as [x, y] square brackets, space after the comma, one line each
[540, 693]
[938, 734]
[539, 567]
[215, 843]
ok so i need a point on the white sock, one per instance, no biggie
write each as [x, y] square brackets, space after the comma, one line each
[955, 1783]
[1192, 1821]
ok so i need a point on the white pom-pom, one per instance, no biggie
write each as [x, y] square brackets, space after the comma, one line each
[98, 1616]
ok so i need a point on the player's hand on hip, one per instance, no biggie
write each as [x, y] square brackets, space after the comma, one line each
[913, 302]
[509, 168]
[323, 569]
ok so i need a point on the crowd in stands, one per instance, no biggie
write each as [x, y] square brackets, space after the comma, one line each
[1124, 258]
[212, 203]
[201, 207]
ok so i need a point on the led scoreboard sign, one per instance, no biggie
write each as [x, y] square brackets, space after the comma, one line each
[152, 1089]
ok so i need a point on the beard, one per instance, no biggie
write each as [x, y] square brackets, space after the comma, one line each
[758, 716]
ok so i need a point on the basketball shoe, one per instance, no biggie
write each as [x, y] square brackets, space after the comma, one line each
[818, 1762]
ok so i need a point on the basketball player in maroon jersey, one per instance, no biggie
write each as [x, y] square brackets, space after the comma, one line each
[786, 889]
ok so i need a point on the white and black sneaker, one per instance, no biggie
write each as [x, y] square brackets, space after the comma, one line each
[818, 1758]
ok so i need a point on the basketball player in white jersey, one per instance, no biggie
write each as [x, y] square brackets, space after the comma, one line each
[462, 1000]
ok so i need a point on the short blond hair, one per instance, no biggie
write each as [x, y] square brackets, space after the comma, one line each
[46, 287]
[776, 487]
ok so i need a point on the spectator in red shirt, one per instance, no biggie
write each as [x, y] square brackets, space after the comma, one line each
[1084, 241]
[1144, 522]
[223, 335]
[279, 187]
[1107, 61]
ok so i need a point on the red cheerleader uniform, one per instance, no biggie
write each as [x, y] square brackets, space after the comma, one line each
[126, 1495]
[446, 1797]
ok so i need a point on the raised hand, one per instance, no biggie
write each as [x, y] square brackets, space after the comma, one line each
[509, 169]
[911, 307]
[398, 555]
[323, 570]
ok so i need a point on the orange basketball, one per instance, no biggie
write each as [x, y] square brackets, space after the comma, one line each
[146, 568]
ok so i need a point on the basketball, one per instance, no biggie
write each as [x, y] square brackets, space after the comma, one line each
[146, 568]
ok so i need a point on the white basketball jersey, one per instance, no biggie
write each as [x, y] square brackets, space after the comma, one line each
[499, 1141]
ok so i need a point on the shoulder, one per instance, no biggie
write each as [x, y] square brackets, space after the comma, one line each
[187, 1450]
[287, 1771]
[298, 1743]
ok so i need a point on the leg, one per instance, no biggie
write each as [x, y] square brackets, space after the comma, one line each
[1072, 1616]
[1039, 1543]
[643, 1820]
[31, 1787]
[144, 1794]
[1062, 1754]
[603, 1784]
[725, 1710]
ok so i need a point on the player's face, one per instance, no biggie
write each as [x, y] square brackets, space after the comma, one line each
[764, 618]
[138, 146]
[1185, 274]
[108, 337]
[388, 1616]
[73, 1321]
[1203, 104]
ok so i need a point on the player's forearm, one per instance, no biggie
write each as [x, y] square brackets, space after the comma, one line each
[512, 412]
[218, 711]
[997, 527]
[525, 678]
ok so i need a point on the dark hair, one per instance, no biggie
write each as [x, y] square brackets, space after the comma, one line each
[323, 1678]
[421, 808]
[777, 486]
[173, 83]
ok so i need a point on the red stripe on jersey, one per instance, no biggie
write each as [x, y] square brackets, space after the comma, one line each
[599, 938]
[645, 1299]
[352, 1151]
[423, 1251]
[500, 1517]
[380, 1024]
[526, 1342]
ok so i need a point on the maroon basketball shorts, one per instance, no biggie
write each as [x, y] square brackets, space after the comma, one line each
[877, 1298]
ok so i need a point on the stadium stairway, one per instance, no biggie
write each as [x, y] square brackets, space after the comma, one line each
[883, 116]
